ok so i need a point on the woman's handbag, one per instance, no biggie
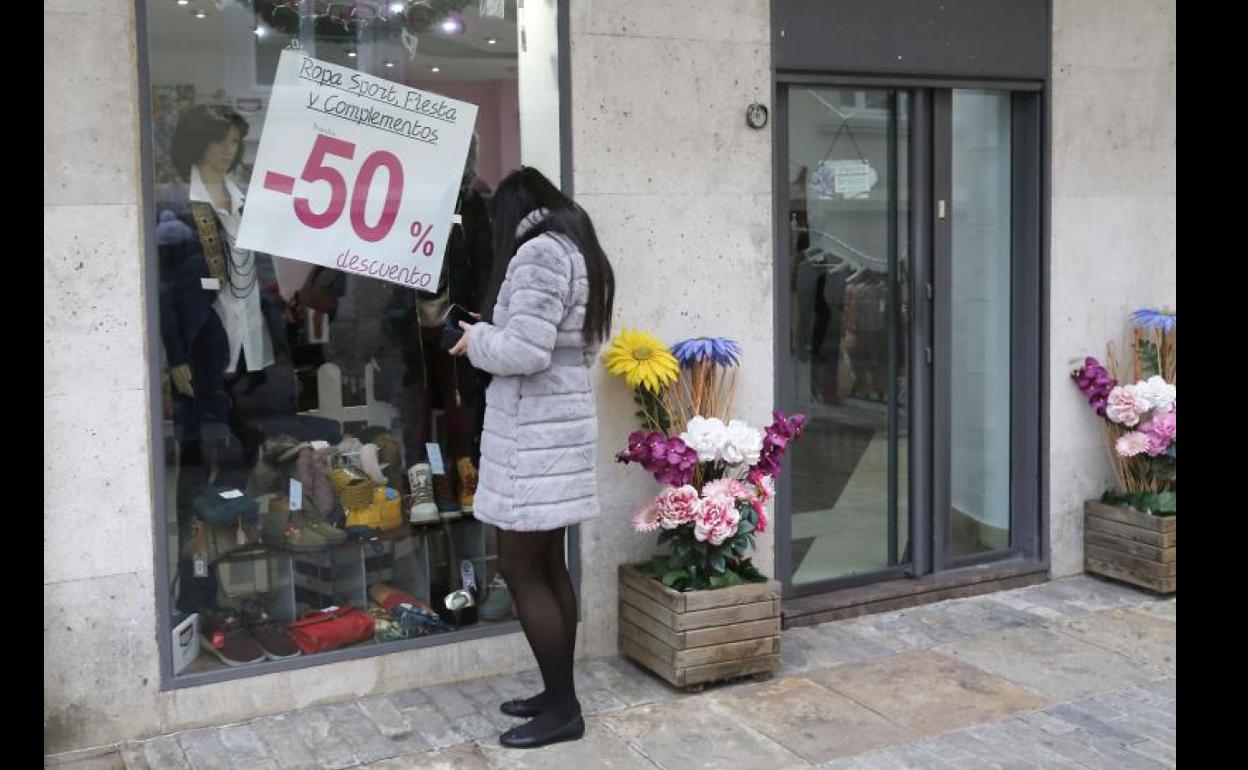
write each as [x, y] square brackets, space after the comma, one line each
[329, 629]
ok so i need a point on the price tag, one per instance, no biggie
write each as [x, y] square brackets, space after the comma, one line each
[231, 494]
[201, 565]
[356, 173]
[211, 284]
[435, 459]
[296, 495]
[319, 445]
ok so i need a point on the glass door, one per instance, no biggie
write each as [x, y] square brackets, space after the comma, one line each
[846, 313]
[908, 329]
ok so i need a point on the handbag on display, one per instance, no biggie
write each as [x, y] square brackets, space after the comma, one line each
[223, 506]
[331, 628]
[212, 541]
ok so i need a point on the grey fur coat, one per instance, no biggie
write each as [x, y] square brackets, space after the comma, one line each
[541, 426]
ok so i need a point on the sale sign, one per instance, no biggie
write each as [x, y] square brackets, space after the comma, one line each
[356, 173]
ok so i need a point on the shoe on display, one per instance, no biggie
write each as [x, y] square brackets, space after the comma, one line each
[498, 601]
[226, 636]
[444, 497]
[424, 509]
[322, 527]
[289, 532]
[462, 603]
[272, 637]
[467, 483]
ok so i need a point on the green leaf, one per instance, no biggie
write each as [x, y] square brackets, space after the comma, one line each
[745, 527]
[1163, 503]
[1150, 362]
[719, 563]
[671, 578]
[747, 570]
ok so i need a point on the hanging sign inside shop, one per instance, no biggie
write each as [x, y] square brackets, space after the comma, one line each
[843, 179]
[356, 173]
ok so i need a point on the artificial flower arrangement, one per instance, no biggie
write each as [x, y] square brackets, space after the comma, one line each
[718, 473]
[1139, 418]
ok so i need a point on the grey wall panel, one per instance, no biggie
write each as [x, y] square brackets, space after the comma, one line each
[951, 38]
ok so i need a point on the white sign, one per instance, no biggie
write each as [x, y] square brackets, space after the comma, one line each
[436, 466]
[356, 173]
[853, 180]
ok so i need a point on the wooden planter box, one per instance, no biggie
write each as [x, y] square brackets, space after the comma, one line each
[696, 637]
[1127, 545]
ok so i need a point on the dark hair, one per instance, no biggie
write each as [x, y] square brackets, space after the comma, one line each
[199, 127]
[521, 193]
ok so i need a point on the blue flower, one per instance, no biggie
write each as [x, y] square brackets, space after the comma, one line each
[721, 350]
[1155, 318]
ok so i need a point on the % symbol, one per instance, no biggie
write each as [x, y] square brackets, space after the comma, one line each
[421, 234]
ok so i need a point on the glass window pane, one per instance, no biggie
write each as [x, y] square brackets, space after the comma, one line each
[979, 518]
[848, 272]
[278, 369]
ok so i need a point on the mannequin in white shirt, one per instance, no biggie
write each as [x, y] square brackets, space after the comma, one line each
[238, 304]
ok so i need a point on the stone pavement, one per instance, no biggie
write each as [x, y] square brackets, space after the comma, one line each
[1072, 674]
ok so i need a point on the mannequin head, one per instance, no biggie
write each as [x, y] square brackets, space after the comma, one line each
[209, 136]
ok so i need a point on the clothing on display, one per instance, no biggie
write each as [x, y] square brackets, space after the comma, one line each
[275, 567]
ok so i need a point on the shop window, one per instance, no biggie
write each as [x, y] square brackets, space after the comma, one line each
[274, 369]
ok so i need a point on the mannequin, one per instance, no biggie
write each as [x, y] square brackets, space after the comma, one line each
[220, 328]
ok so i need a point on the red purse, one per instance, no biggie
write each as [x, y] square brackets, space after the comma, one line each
[323, 630]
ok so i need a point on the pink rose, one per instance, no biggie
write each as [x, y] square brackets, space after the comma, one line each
[1125, 407]
[677, 505]
[717, 520]
[1132, 444]
[730, 487]
[1163, 425]
[1156, 446]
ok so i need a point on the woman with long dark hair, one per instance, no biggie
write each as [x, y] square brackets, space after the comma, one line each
[547, 310]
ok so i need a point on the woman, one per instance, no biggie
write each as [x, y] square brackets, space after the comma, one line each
[548, 309]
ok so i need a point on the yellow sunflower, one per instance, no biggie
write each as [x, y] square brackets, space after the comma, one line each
[641, 360]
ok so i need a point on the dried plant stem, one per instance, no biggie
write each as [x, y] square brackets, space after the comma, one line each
[732, 392]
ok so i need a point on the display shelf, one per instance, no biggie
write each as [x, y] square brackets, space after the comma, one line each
[412, 558]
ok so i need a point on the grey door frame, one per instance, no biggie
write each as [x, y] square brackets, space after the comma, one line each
[929, 177]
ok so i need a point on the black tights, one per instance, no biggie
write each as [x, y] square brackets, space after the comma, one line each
[532, 564]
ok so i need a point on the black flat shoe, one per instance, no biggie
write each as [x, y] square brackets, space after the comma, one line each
[519, 707]
[530, 736]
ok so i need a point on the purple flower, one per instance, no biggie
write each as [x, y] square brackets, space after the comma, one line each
[669, 459]
[776, 439]
[721, 350]
[1095, 384]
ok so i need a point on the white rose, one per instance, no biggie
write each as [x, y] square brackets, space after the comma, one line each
[1158, 393]
[744, 444]
[706, 437]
